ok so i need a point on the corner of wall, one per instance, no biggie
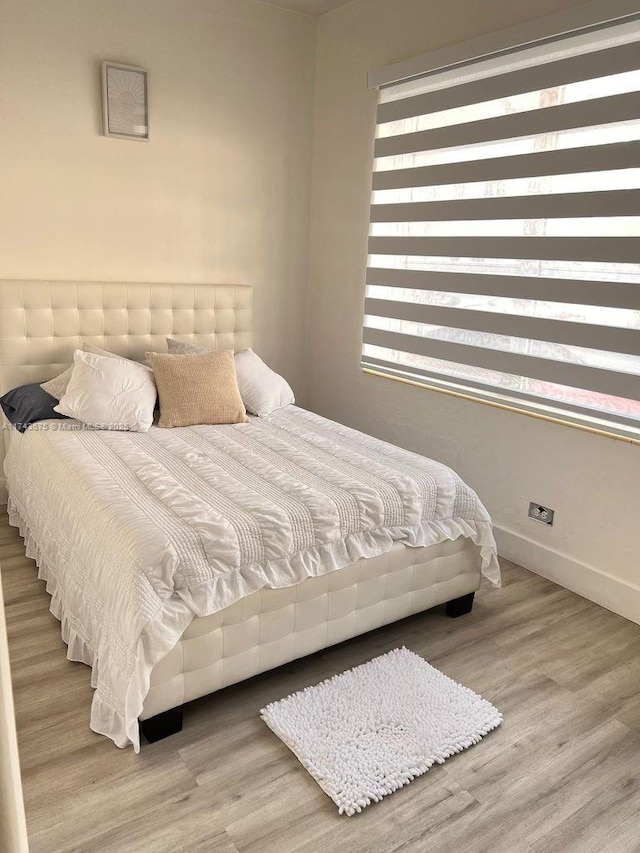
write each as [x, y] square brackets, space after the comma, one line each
[306, 354]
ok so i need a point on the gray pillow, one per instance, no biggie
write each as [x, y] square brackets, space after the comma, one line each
[28, 404]
[58, 385]
[178, 347]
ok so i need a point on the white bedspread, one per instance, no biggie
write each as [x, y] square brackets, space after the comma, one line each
[135, 533]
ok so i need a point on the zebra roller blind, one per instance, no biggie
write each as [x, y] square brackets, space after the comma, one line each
[504, 250]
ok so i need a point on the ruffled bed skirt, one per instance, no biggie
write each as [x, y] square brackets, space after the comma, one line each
[225, 589]
[120, 727]
[164, 631]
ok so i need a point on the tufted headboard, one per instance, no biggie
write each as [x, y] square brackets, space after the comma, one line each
[42, 322]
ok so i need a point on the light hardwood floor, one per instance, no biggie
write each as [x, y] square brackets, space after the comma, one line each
[561, 775]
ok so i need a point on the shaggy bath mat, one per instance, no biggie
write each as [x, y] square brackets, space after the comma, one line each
[369, 731]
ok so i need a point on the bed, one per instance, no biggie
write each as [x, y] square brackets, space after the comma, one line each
[182, 561]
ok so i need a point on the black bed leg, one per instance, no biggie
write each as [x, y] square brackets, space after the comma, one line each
[162, 725]
[459, 606]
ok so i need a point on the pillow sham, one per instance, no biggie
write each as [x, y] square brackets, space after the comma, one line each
[197, 389]
[58, 385]
[109, 393]
[27, 405]
[261, 388]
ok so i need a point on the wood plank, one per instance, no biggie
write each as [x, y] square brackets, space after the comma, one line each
[560, 775]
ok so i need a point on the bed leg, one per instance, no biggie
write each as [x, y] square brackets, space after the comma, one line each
[162, 725]
[459, 606]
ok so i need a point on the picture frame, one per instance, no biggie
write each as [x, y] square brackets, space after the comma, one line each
[125, 101]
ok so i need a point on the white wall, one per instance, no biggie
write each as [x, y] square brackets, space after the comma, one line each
[220, 193]
[593, 483]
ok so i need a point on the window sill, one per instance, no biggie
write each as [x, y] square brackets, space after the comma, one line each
[600, 427]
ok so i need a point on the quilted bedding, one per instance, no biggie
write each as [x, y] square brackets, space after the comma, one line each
[137, 533]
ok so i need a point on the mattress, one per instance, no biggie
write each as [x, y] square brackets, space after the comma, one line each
[137, 534]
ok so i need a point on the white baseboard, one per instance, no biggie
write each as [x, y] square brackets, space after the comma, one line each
[617, 595]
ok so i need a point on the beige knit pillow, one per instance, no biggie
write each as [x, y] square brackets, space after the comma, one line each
[197, 389]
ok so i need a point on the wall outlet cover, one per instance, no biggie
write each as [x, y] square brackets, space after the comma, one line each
[541, 513]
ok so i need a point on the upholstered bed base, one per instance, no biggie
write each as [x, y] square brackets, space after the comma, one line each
[274, 626]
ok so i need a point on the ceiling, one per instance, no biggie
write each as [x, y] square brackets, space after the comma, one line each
[311, 7]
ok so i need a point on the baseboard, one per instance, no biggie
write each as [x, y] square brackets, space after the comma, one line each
[619, 596]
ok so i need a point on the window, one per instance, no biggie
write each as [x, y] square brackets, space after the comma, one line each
[504, 250]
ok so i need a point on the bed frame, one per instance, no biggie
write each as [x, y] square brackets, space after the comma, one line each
[42, 322]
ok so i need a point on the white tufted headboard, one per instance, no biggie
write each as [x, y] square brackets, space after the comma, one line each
[42, 322]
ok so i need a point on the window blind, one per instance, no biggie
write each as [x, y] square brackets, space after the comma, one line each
[504, 256]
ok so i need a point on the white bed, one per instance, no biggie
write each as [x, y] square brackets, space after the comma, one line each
[181, 561]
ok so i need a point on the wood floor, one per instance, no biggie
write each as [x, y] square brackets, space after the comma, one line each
[562, 774]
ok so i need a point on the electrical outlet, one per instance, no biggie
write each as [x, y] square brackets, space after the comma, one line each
[541, 513]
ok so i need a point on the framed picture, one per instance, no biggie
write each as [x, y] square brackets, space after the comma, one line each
[125, 101]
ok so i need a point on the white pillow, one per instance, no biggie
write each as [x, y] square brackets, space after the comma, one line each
[109, 393]
[262, 389]
[58, 385]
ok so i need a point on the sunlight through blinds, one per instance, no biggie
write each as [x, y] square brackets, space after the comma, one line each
[504, 250]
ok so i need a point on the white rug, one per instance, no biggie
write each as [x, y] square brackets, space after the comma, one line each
[371, 730]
